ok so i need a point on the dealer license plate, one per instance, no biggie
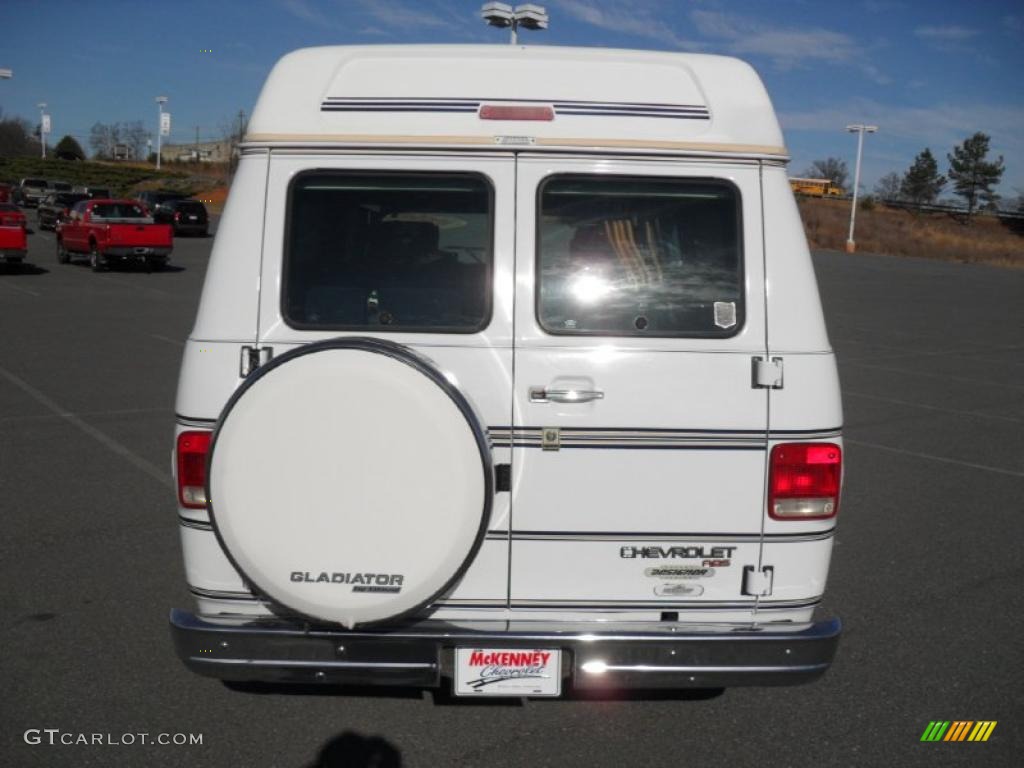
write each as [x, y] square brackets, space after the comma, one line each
[508, 672]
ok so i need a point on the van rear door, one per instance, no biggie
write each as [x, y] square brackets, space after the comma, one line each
[639, 441]
[414, 249]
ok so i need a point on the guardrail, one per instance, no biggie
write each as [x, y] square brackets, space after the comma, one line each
[907, 205]
[953, 209]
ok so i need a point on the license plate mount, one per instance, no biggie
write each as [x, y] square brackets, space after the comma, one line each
[513, 672]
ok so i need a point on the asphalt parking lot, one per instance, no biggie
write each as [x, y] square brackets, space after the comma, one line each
[927, 573]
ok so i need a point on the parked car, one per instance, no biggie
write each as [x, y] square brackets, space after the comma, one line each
[12, 216]
[61, 186]
[113, 231]
[186, 216]
[30, 191]
[155, 200]
[515, 420]
[98, 193]
[54, 208]
[13, 244]
[6, 192]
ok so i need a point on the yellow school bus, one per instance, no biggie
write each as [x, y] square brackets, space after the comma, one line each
[815, 187]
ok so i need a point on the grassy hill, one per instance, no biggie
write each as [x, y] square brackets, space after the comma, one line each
[985, 239]
[121, 178]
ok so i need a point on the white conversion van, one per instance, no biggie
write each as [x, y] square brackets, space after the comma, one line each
[509, 374]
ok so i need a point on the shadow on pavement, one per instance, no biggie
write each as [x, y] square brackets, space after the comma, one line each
[22, 269]
[353, 750]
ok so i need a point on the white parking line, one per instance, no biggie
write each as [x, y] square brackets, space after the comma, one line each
[133, 286]
[160, 475]
[175, 342]
[931, 457]
[978, 414]
[20, 289]
[947, 377]
[51, 416]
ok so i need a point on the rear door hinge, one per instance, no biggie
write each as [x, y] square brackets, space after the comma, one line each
[758, 582]
[766, 373]
[252, 358]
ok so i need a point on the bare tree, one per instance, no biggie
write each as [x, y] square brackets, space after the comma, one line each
[831, 168]
[135, 135]
[16, 139]
[888, 187]
[103, 137]
[232, 132]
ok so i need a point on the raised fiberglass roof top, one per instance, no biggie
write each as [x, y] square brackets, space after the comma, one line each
[587, 97]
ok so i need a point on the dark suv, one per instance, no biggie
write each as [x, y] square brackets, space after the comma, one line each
[156, 200]
[54, 208]
[186, 216]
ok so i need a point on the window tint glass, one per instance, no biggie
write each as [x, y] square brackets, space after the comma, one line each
[639, 257]
[118, 211]
[388, 251]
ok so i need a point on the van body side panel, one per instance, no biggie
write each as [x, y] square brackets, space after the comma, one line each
[795, 319]
[227, 307]
[808, 407]
[210, 373]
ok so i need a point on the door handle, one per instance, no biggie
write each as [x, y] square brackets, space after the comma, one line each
[543, 395]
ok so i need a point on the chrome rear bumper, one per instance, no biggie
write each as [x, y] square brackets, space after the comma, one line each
[641, 656]
[136, 251]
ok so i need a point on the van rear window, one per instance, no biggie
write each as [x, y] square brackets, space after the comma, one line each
[391, 252]
[624, 256]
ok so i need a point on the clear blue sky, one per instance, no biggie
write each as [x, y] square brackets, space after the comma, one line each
[928, 73]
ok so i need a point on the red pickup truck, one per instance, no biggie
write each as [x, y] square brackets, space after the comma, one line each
[13, 244]
[113, 231]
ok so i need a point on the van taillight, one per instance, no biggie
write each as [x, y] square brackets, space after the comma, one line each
[803, 481]
[192, 450]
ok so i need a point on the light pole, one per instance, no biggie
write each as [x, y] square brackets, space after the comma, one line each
[42, 126]
[160, 101]
[860, 130]
[528, 16]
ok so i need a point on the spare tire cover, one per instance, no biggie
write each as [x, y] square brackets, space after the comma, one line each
[350, 481]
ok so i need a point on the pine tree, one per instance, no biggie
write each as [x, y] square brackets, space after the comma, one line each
[973, 177]
[922, 183]
[69, 149]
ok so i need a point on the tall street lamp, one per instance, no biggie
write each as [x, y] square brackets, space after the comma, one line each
[860, 130]
[42, 126]
[528, 16]
[160, 101]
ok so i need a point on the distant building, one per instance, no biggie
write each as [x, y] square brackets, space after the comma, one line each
[203, 152]
[123, 152]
